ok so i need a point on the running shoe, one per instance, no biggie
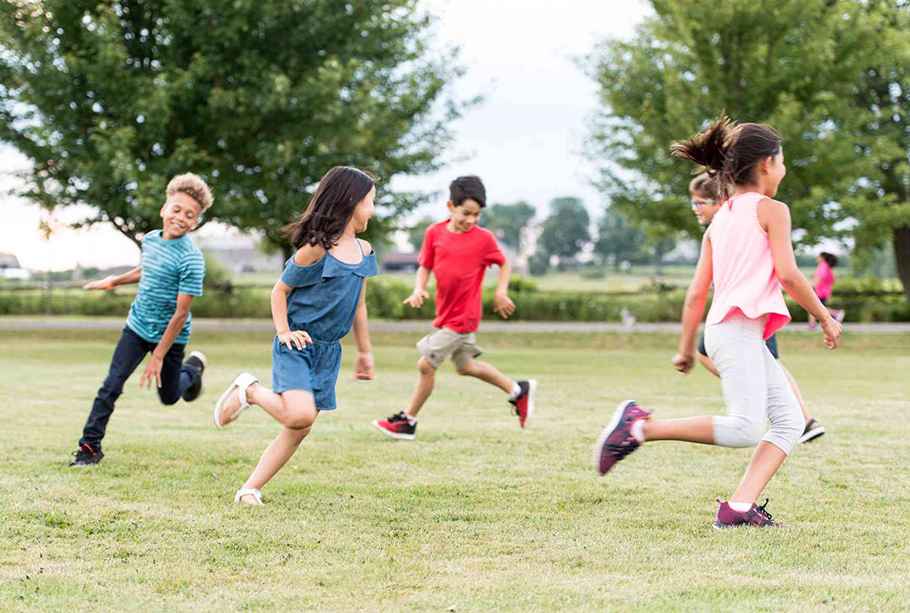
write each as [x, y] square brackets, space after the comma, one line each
[617, 441]
[397, 426]
[524, 403]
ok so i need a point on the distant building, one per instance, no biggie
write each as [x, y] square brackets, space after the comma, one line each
[395, 261]
[10, 269]
[240, 253]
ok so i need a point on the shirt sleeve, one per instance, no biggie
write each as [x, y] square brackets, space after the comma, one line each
[492, 253]
[427, 250]
[192, 274]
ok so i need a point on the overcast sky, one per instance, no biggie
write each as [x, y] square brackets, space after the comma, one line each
[525, 141]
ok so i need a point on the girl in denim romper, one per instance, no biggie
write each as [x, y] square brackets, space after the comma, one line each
[319, 297]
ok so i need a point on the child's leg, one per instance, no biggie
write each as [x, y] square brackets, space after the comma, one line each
[425, 384]
[128, 354]
[294, 409]
[175, 377]
[299, 409]
[786, 426]
[799, 397]
[739, 358]
[485, 372]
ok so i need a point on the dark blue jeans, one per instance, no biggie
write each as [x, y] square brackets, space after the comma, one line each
[129, 353]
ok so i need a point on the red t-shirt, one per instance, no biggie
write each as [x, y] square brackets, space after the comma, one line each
[459, 262]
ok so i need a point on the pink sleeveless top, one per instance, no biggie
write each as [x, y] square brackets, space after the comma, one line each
[744, 277]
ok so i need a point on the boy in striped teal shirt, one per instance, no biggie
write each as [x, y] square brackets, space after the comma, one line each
[170, 276]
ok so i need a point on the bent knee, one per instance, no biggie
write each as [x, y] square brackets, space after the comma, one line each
[742, 432]
[300, 420]
[425, 368]
[466, 369]
[169, 399]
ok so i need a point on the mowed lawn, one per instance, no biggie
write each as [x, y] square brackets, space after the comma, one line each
[476, 515]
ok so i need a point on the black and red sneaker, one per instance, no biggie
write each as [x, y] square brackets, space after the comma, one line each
[616, 441]
[85, 455]
[524, 403]
[398, 426]
[757, 517]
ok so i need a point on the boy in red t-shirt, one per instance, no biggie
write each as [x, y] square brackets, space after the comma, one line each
[458, 251]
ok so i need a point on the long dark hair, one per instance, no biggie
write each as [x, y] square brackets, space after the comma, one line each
[730, 151]
[331, 208]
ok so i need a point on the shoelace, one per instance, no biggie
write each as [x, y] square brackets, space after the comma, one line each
[764, 515]
[621, 450]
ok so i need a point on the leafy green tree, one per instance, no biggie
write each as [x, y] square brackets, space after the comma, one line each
[565, 232]
[508, 221]
[831, 76]
[110, 99]
[619, 240]
[417, 231]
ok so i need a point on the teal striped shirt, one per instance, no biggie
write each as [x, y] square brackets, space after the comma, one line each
[169, 267]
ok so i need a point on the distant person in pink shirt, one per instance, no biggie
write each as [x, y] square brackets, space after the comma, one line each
[747, 253]
[823, 283]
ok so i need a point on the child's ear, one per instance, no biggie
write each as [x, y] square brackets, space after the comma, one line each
[163, 207]
[451, 206]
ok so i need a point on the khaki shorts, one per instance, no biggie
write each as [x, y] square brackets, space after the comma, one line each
[439, 345]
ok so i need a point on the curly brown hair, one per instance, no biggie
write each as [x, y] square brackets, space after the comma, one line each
[193, 186]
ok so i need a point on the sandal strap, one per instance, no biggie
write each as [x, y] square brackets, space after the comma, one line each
[243, 381]
[248, 492]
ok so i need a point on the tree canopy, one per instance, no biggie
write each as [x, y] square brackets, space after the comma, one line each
[833, 76]
[110, 99]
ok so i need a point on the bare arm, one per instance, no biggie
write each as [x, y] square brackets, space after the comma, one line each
[363, 364]
[774, 217]
[112, 281]
[174, 326]
[420, 288]
[502, 304]
[694, 306]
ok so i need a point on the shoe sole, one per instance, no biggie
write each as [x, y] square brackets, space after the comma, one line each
[812, 434]
[220, 404]
[532, 392]
[606, 432]
[394, 435]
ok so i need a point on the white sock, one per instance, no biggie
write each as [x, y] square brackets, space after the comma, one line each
[411, 419]
[638, 431]
[742, 507]
[516, 390]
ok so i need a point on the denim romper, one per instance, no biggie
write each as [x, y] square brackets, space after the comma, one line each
[322, 303]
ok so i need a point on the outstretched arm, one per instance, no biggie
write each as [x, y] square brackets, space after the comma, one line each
[112, 281]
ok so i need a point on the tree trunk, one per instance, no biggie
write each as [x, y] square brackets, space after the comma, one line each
[902, 257]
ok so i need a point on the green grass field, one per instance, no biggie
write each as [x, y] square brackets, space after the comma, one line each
[477, 515]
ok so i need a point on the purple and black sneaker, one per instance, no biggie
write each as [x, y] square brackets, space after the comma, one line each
[617, 441]
[757, 517]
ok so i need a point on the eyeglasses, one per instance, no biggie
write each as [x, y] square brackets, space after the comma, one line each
[702, 202]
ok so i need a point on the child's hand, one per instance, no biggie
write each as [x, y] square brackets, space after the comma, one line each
[298, 337]
[683, 362]
[105, 283]
[416, 299]
[363, 367]
[152, 371]
[503, 305]
[832, 330]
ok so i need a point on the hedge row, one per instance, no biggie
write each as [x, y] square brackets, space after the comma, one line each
[385, 296]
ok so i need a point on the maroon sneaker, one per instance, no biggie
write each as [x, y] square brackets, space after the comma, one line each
[617, 441]
[397, 426]
[757, 516]
[524, 402]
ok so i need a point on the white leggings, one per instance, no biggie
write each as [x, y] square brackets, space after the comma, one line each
[755, 388]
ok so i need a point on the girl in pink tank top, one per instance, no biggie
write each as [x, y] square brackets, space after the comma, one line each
[747, 254]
